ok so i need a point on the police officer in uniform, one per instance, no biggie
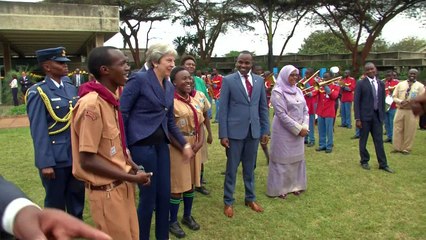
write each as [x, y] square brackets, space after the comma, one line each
[49, 107]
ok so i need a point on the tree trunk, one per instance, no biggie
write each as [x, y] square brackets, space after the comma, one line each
[270, 39]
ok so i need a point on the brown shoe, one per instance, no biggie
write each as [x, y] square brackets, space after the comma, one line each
[254, 206]
[228, 211]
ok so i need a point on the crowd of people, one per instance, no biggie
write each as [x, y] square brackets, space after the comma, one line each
[152, 128]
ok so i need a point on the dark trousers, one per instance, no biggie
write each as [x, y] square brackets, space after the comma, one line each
[15, 96]
[155, 159]
[64, 192]
[244, 151]
[375, 127]
[422, 122]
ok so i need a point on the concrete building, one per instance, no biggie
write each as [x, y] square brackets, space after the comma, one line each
[26, 27]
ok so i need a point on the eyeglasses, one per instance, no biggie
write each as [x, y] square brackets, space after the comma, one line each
[293, 75]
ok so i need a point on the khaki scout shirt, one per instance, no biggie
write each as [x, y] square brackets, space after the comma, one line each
[95, 129]
[400, 92]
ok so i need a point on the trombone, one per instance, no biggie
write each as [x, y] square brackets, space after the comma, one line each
[301, 84]
[317, 86]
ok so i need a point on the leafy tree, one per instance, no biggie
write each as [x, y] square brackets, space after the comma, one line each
[412, 44]
[271, 13]
[186, 44]
[364, 20]
[209, 19]
[132, 14]
[232, 53]
[380, 45]
[320, 42]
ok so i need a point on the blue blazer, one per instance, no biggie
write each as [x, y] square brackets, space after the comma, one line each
[238, 113]
[9, 192]
[145, 106]
[50, 150]
[364, 100]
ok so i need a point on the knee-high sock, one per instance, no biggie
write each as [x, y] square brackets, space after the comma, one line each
[188, 198]
[174, 208]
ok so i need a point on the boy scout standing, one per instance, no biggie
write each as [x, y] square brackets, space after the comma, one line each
[100, 156]
[49, 107]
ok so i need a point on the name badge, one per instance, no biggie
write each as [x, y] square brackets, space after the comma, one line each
[55, 99]
[113, 151]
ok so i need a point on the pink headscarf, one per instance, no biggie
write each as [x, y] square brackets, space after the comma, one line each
[282, 80]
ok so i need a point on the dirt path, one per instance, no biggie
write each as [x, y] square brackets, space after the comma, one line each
[14, 122]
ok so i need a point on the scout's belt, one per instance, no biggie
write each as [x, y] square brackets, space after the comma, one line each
[106, 187]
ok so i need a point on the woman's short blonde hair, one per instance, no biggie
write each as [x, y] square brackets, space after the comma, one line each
[156, 51]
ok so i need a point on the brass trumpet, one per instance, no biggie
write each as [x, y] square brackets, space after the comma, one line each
[270, 79]
[301, 84]
[317, 86]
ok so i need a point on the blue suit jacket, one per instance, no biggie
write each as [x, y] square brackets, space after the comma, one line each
[50, 150]
[145, 106]
[238, 113]
[364, 100]
[9, 192]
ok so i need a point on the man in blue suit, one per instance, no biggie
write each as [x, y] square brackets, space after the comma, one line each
[49, 106]
[369, 110]
[243, 121]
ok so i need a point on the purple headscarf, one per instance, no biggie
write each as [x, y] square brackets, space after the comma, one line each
[282, 80]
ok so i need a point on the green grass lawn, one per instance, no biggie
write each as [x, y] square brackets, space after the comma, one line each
[343, 201]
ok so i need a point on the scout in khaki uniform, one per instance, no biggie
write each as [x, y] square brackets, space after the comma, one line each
[405, 122]
[100, 157]
[189, 115]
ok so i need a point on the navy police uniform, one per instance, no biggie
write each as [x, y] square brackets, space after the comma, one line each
[49, 110]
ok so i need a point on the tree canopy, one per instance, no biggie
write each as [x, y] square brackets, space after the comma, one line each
[320, 42]
[408, 44]
[359, 23]
[208, 19]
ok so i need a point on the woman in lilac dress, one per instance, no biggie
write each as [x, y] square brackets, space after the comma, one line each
[287, 167]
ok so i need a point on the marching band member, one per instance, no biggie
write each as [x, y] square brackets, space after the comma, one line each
[217, 84]
[405, 123]
[327, 98]
[390, 84]
[257, 69]
[348, 89]
[311, 99]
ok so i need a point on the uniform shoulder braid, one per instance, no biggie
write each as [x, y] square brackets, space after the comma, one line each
[65, 119]
[33, 89]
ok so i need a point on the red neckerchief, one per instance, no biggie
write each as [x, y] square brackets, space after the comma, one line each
[194, 111]
[105, 94]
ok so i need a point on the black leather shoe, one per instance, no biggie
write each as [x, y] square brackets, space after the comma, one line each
[202, 190]
[328, 150]
[320, 149]
[176, 230]
[354, 137]
[365, 166]
[388, 140]
[387, 169]
[190, 223]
